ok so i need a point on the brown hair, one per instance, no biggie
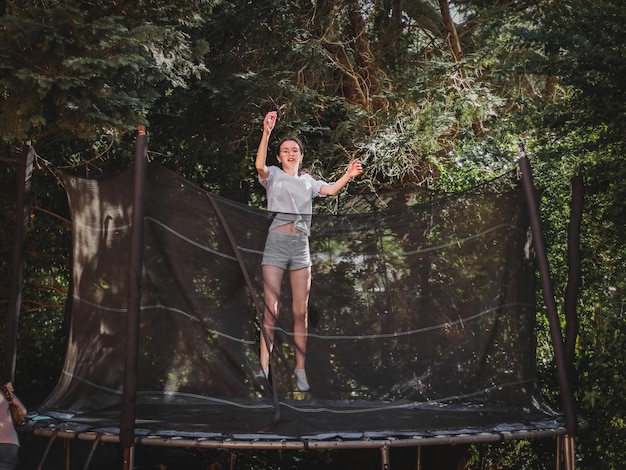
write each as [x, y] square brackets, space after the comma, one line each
[287, 139]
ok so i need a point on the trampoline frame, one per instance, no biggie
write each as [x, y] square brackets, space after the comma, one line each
[565, 445]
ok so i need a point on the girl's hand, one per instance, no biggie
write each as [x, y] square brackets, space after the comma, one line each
[355, 168]
[270, 121]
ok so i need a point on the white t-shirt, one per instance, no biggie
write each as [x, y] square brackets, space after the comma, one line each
[291, 197]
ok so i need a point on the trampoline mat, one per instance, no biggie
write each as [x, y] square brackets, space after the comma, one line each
[310, 420]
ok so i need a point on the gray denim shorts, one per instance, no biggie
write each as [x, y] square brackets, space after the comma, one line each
[287, 251]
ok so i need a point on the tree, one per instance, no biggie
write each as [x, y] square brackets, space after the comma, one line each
[83, 70]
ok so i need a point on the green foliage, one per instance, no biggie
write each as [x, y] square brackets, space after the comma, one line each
[538, 454]
[87, 69]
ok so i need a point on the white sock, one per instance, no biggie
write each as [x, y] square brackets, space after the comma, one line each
[301, 381]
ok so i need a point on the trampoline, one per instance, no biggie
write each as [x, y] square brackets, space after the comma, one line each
[421, 323]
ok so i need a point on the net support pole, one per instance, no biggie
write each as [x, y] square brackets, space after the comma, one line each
[574, 275]
[567, 397]
[127, 418]
[22, 213]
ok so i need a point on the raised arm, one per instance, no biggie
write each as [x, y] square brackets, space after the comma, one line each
[354, 169]
[261, 155]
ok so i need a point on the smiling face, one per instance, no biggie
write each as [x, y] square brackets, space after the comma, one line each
[290, 156]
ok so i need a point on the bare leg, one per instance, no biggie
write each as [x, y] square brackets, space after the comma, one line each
[272, 280]
[300, 289]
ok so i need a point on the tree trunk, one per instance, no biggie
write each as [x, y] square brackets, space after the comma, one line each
[457, 52]
[455, 45]
[366, 68]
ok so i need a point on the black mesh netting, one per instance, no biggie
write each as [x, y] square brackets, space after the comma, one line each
[422, 315]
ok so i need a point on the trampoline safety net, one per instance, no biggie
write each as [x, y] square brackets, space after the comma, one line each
[421, 321]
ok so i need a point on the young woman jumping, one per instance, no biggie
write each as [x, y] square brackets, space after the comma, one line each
[289, 196]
